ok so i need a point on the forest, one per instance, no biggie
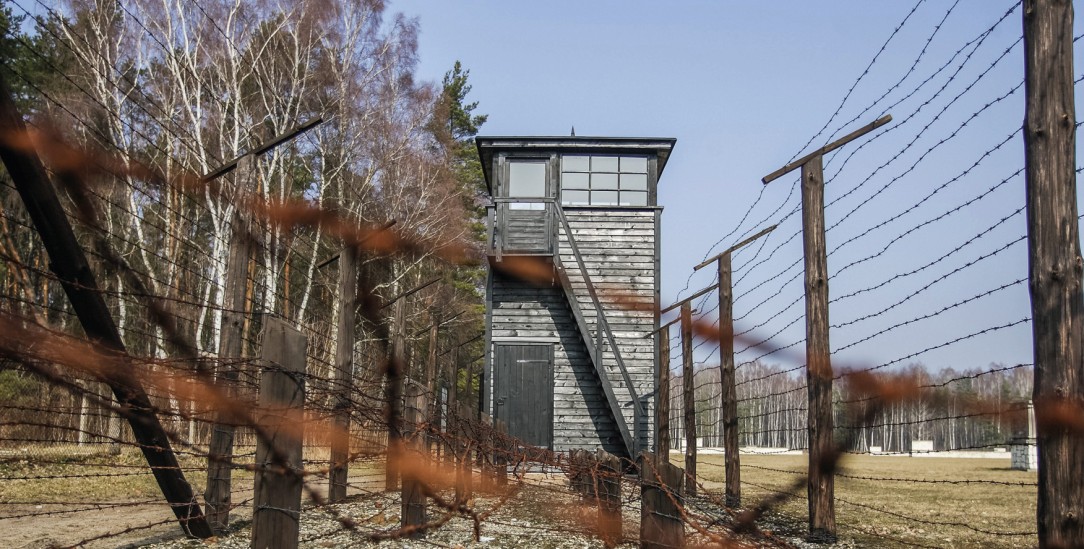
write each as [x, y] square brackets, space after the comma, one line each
[178, 89]
[967, 409]
[184, 87]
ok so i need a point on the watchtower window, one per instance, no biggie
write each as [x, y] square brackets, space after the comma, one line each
[527, 179]
[603, 180]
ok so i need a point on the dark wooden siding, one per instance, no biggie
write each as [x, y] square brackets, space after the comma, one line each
[618, 249]
[524, 312]
[525, 230]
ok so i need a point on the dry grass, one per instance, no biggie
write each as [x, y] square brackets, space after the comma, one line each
[81, 475]
[89, 474]
[874, 513]
[879, 513]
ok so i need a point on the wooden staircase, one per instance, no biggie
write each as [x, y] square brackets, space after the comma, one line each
[596, 344]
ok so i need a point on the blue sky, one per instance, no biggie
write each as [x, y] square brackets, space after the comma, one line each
[743, 87]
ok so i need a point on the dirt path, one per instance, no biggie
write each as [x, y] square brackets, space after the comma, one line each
[68, 525]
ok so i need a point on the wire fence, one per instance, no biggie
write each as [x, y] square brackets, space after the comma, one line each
[921, 230]
[925, 234]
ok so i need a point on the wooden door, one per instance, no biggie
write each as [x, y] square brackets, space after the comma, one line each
[523, 391]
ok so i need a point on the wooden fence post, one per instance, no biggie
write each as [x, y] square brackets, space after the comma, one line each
[501, 454]
[662, 398]
[581, 480]
[468, 391]
[230, 342]
[661, 522]
[463, 484]
[689, 397]
[451, 448]
[821, 486]
[431, 410]
[396, 365]
[728, 392]
[487, 474]
[731, 458]
[608, 496]
[343, 374]
[276, 513]
[412, 513]
[1055, 268]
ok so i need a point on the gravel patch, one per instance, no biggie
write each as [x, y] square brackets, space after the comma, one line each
[535, 515]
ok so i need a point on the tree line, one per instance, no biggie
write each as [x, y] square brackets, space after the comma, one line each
[954, 409]
[184, 87]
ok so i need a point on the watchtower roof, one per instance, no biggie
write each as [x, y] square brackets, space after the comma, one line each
[488, 145]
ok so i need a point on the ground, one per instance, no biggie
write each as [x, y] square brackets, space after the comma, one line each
[962, 503]
[950, 509]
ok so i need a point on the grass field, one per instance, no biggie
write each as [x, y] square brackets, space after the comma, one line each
[951, 512]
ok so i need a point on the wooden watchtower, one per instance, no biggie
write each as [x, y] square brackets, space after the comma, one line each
[568, 363]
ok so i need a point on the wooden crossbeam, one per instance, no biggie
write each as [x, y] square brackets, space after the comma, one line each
[828, 148]
[733, 248]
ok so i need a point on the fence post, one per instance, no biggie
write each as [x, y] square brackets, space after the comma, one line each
[1055, 268]
[431, 408]
[486, 452]
[468, 391]
[732, 460]
[396, 365]
[580, 478]
[463, 487]
[344, 374]
[451, 410]
[500, 452]
[608, 494]
[276, 513]
[726, 366]
[821, 486]
[688, 395]
[662, 398]
[412, 513]
[661, 523]
[230, 341]
[728, 394]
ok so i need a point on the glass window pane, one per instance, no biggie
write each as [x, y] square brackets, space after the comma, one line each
[634, 181]
[576, 163]
[603, 181]
[526, 178]
[604, 198]
[576, 197]
[635, 198]
[604, 164]
[574, 180]
[633, 164]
